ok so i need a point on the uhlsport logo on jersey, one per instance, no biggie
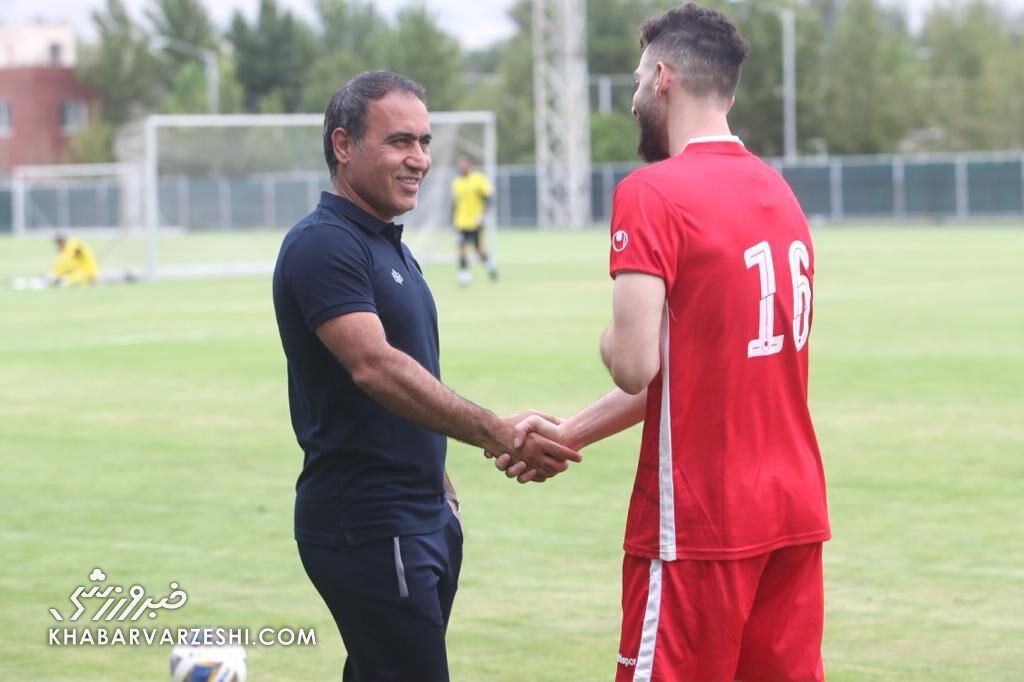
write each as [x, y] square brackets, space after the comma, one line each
[619, 241]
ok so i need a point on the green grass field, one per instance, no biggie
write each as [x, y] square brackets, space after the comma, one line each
[144, 429]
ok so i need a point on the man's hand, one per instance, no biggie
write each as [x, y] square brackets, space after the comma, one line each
[532, 427]
[536, 457]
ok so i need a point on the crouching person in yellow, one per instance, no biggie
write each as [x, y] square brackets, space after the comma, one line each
[74, 263]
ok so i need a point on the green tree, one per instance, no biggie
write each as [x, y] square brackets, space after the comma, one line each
[872, 71]
[187, 93]
[186, 26]
[974, 77]
[119, 66]
[613, 137]
[353, 37]
[93, 142]
[757, 117]
[272, 57]
[425, 52]
[511, 98]
[184, 20]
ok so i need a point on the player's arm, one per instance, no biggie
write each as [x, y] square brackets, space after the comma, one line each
[403, 386]
[611, 413]
[631, 345]
[455, 204]
[62, 264]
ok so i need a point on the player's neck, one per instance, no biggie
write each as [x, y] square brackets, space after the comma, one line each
[700, 123]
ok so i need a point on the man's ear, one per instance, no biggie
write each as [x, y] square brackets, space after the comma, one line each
[663, 76]
[342, 144]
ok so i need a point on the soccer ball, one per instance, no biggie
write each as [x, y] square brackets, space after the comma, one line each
[207, 664]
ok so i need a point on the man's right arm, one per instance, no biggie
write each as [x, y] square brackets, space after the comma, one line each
[403, 386]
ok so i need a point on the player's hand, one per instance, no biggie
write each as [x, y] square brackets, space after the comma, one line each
[520, 417]
[534, 428]
[535, 457]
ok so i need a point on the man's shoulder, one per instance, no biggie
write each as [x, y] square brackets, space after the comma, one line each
[317, 234]
[324, 225]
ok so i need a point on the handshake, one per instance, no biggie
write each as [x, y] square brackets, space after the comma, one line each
[540, 448]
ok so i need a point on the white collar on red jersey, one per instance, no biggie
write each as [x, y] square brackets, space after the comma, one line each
[714, 138]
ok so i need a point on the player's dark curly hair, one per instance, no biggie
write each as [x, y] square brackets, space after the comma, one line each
[347, 108]
[701, 44]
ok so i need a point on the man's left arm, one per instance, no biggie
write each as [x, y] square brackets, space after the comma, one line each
[631, 345]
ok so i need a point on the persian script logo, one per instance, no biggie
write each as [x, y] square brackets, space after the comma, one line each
[119, 605]
[619, 241]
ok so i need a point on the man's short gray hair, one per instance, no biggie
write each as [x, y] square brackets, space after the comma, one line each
[347, 108]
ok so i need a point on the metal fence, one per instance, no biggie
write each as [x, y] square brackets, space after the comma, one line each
[939, 186]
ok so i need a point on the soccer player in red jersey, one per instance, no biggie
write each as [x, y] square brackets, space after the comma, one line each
[713, 266]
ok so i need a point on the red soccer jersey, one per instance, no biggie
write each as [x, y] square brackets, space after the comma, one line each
[729, 463]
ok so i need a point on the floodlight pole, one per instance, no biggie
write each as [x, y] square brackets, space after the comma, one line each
[561, 113]
[209, 59]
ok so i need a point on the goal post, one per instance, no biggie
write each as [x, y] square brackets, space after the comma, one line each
[101, 202]
[219, 190]
[55, 198]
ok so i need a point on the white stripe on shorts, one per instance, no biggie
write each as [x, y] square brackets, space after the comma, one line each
[645, 657]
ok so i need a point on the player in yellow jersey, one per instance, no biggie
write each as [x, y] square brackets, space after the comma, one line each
[74, 263]
[471, 192]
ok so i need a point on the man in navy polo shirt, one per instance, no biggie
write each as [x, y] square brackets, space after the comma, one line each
[375, 515]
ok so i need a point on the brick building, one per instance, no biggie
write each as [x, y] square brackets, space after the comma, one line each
[42, 103]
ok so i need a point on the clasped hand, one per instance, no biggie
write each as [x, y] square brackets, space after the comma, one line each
[538, 451]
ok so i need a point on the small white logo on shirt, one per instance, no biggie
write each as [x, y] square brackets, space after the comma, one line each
[398, 277]
[628, 662]
[619, 241]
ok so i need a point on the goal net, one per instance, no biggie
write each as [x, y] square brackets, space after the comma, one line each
[99, 202]
[212, 195]
[220, 190]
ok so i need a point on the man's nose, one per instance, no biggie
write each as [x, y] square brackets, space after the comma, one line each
[419, 158]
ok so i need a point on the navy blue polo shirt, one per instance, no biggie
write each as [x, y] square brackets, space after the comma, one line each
[367, 473]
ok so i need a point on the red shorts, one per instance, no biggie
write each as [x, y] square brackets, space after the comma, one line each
[747, 619]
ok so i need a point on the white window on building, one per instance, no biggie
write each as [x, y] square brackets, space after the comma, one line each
[5, 118]
[56, 54]
[73, 115]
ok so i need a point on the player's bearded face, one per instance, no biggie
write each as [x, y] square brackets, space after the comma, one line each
[652, 117]
[651, 111]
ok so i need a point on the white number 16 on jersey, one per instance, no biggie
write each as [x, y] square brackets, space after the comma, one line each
[766, 343]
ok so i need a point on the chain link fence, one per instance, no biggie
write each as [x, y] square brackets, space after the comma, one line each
[936, 187]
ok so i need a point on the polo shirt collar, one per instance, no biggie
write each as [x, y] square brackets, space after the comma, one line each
[345, 207]
[714, 138]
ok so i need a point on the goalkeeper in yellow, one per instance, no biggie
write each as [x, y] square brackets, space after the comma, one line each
[471, 192]
[74, 264]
